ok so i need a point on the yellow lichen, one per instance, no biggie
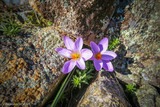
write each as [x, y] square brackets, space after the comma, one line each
[13, 66]
[28, 95]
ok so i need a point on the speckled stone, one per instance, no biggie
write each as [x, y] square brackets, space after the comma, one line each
[88, 19]
[13, 3]
[41, 65]
[105, 91]
[141, 41]
[140, 37]
[148, 96]
[30, 69]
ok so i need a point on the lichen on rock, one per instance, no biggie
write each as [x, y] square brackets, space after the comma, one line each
[88, 19]
[105, 91]
[144, 45]
[148, 96]
[30, 69]
[140, 37]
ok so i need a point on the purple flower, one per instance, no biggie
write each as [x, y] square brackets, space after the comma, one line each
[101, 57]
[75, 52]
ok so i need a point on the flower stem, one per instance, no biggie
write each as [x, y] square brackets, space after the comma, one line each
[62, 88]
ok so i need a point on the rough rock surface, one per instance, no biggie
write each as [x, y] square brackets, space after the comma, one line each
[29, 68]
[105, 91]
[148, 96]
[138, 61]
[142, 25]
[12, 3]
[88, 18]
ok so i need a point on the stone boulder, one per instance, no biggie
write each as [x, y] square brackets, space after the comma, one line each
[88, 19]
[140, 39]
[30, 69]
[148, 96]
[31, 66]
[105, 91]
[14, 3]
[138, 58]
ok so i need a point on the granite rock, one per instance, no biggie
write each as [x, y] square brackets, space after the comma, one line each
[148, 96]
[141, 24]
[105, 91]
[140, 39]
[30, 69]
[12, 3]
[88, 19]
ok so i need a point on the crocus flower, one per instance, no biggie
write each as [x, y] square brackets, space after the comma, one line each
[101, 57]
[75, 52]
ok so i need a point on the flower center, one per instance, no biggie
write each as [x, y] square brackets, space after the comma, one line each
[98, 56]
[75, 56]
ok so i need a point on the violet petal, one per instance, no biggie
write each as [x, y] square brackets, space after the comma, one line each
[64, 52]
[108, 66]
[79, 44]
[86, 54]
[92, 58]
[68, 43]
[68, 66]
[98, 64]
[94, 47]
[81, 64]
[103, 44]
[108, 55]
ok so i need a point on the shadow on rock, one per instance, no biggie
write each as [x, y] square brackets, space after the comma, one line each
[122, 62]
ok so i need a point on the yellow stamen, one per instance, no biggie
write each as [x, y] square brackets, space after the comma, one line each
[98, 56]
[75, 56]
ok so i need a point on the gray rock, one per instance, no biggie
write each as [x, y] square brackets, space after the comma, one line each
[148, 96]
[37, 67]
[140, 35]
[11, 3]
[30, 69]
[88, 19]
[152, 74]
[105, 91]
[158, 101]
